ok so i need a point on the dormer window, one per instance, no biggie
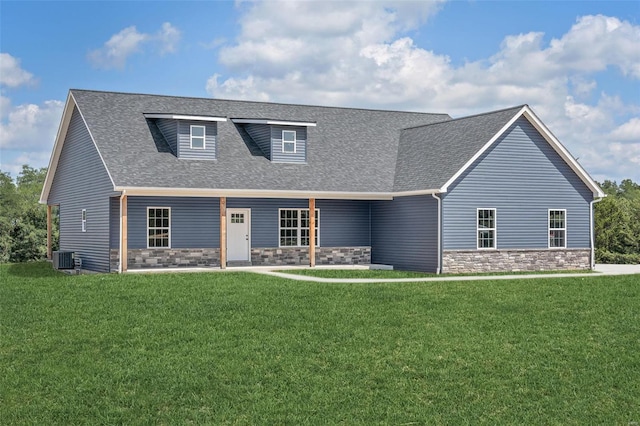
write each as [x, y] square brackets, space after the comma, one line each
[289, 141]
[197, 137]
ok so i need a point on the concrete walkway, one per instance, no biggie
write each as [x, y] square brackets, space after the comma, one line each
[280, 271]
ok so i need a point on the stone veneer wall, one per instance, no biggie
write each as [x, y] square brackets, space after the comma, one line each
[163, 258]
[300, 256]
[168, 258]
[465, 261]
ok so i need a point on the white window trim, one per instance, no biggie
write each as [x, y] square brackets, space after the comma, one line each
[84, 220]
[299, 227]
[494, 229]
[204, 136]
[168, 229]
[295, 143]
[549, 228]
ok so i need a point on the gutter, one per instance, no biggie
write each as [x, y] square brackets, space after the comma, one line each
[439, 268]
[124, 192]
[591, 232]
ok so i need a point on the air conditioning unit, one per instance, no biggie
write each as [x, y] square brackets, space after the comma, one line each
[63, 260]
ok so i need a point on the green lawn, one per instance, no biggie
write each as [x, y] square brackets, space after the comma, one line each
[241, 348]
[385, 274]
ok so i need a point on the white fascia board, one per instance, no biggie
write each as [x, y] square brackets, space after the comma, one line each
[275, 122]
[417, 192]
[482, 150]
[549, 137]
[252, 193]
[57, 147]
[562, 151]
[186, 117]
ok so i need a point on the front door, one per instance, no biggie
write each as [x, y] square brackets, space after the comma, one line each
[238, 234]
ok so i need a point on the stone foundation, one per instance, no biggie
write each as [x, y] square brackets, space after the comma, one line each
[300, 256]
[470, 261]
[168, 258]
[190, 258]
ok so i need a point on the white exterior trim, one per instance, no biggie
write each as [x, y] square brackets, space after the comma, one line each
[494, 229]
[548, 136]
[252, 193]
[185, 117]
[155, 227]
[275, 122]
[57, 147]
[299, 227]
[295, 142]
[204, 136]
[549, 229]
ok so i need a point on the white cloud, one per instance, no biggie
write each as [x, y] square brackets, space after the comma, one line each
[115, 52]
[169, 36]
[359, 54]
[31, 126]
[629, 131]
[11, 74]
[117, 49]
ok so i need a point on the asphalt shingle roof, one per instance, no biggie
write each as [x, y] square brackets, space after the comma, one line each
[349, 150]
[428, 156]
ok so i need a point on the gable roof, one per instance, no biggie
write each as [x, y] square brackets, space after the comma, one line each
[351, 153]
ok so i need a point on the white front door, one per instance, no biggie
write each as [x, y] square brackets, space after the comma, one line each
[238, 234]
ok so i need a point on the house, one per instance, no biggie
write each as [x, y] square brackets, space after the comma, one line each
[146, 181]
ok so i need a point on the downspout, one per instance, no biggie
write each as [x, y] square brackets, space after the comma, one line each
[124, 192]
[438, 270]
[591, 233]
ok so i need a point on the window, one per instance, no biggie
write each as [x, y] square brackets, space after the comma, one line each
[158, 227]
[237, 217]
[289, 141]
[84, 220]
[557, 229]
[294, 227]
[197, 137]
[486, 228]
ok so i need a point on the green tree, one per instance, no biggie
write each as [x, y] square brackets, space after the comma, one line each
[23, 221]
[617, 223]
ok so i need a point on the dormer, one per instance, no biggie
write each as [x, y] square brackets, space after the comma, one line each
[280, 141]
[191, 137]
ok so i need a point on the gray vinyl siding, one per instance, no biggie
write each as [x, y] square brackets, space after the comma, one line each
[114, 222]
[195, 222]
[81, 182]
[169, 129]
[404, 233]
[522, 177]
[261, 135]
[184, 140]
[343, 223]
[300, 156]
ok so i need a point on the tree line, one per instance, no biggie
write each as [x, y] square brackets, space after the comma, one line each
[23, 221]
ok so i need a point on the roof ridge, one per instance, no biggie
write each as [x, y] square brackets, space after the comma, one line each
[261, 102]
[518, 107]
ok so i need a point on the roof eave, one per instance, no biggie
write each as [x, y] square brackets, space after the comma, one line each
[548, 136]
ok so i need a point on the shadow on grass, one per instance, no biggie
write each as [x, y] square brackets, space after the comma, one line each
[32, 270]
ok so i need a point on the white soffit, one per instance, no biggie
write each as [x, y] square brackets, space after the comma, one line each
[186, 117]
[275, 122]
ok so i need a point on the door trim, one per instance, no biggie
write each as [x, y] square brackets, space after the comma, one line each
[247, 215]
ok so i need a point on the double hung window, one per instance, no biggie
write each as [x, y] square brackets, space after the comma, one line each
[557, 228]
[84, 220]
[197, 137]
[486, 228]
[294, 227]
[289, 141]
[158, 227]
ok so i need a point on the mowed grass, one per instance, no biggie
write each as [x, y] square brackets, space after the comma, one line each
[241, 348]
[396, 274]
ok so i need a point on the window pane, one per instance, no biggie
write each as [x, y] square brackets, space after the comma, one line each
[289, 147]
[197, 131]
[288, 135]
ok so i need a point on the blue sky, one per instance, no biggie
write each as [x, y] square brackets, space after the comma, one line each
[576, 63]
